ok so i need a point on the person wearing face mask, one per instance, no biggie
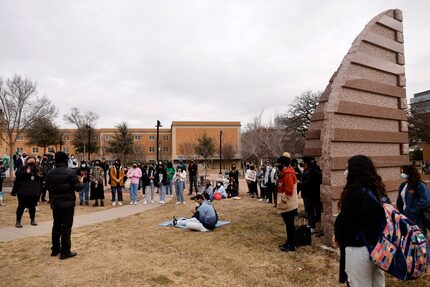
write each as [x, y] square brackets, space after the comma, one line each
[161, 182]
[84, 172]
[204, 216]
[219, 188]
[179, 179]
[134, 173]
[116, 175]
[311, 181]
[97, 190]
[73, 162]
[28, 182]
[150, 184]
[413, 196]
[234, 173]
[20, 161]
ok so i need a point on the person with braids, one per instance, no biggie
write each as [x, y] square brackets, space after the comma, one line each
[359, 216]
[413, 196]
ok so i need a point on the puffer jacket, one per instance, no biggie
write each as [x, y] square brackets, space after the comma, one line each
[62, 183]
[28, 184]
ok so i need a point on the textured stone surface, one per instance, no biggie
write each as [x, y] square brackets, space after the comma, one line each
[362, 112]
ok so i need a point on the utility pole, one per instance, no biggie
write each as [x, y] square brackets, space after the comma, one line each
[158, 139]
[89, 143]
[220, 151]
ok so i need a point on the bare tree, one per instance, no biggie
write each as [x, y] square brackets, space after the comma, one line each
[228, 151]
[85, 124]
[20, 107]
[186, 150]
[419, 124]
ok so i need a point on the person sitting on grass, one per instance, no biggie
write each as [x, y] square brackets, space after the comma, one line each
[204, 217]
[219, 188]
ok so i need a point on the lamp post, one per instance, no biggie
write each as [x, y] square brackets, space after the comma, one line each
[61, 142]
[89, 142]
[220, 151]
[158, 139]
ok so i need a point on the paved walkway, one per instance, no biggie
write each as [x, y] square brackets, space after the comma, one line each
[11, 232]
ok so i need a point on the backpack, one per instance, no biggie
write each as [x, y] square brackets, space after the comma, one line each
[402, 248]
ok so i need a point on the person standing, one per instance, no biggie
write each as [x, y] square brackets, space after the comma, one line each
[234, 173]
[62, 183]
[261, 183]
[116, 177]
[170, 171]
[28, 182]
[179, 178]
[20, 161]
[161, 181]
[73, 162]
[311, 181]
[2, 177]
[251, 180]
[270, 181]
[149, 190]
[84, 172]
[97, 190]
[105, 166]
[134, 174]
[295, 166]
[288, 201]
[359, 213]
[192, 172]
[413, 196]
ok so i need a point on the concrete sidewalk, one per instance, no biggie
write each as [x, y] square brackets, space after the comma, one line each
[44, 228]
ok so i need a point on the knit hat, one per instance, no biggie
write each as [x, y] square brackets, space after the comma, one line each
[286, 154]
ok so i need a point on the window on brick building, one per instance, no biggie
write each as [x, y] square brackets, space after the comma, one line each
[151, 138]
[35, 150]
[20, 138]
[165, 138]
[137, 137]
[165, 149]
[151, 149]
[137, 149]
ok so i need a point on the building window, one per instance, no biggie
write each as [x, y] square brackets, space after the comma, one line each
[137, 149]
[165, 138]
[20, 138]
[165, 149]
[151, 138]
[137, 137]
[35, 150]
[19, 150]
[151, 149]
[108, 138]
[51, 149]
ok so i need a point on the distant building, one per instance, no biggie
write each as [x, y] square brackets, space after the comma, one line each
[423, 100]
[175, 143]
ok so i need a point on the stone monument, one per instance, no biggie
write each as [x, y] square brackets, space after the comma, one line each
[362, 111]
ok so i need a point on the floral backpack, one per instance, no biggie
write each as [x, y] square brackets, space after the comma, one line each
[402, 249]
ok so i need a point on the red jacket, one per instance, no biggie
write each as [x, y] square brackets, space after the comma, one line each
[286, 181]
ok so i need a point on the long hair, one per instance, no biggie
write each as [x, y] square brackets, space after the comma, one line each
[362, 174]
[414, 176]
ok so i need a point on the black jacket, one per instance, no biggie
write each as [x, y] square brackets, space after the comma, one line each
[62, 182]
[157, 177]
[311, 181]
[28, 184]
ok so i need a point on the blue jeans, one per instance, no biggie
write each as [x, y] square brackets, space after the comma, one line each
[179, 187]
[83, 194]
[162, 192]
[169, 187]
[133, 192]
[116, 189]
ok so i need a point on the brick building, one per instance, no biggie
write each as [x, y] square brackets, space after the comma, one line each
[175, 143]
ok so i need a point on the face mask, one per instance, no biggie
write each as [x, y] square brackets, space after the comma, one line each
[280, 167]
[31, 163]
[345, 173]
[197, 205]
[218, 184]
[84, 165]
[96, 164]
[404, 175]
[233, 168]
[134, 166]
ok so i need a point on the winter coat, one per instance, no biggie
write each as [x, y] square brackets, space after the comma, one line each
[28, 184]
[287, 191]
[62, 183]
[114, 176]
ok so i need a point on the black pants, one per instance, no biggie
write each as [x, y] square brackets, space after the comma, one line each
[253, 190]
[288, 218]
[263, 192]
[43, 192]
[193, 182]
[62, 228]
[313, 209]
[272, 193]
[25, 201]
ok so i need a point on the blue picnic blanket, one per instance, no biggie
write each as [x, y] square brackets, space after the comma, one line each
[170, 223]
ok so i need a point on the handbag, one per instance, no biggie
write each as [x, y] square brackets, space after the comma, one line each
[303, 232]
[127, 183]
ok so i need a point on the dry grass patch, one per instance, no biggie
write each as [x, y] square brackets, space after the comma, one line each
[135, 251]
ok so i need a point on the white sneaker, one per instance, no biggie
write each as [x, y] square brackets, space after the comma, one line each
[178, 202]
[145, 202]
[152, 201]
[183, 202]
[135, 202]
[113, 203]
[119, 203]
[161, 202]
[131, 202]
[260, 199]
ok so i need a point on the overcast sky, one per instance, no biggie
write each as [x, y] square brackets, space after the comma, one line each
[139, 61]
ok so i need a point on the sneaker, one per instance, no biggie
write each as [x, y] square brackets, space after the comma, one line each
[152, 201]
[135, 202]
[113, 203]
[131, 202]
[119, 203]
[161, 202]
[145, 202]
[260, 199]
[183, 202]
[37, 208]
[178, 202]
[81, 203]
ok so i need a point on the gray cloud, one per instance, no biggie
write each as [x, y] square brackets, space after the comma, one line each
[139, 61]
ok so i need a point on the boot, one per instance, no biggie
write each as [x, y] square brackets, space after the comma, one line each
[96, 203]
[102, 203]
[18, 224]
[33, 222]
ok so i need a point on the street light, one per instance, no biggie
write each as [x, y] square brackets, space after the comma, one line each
[220, 151]
[158, 139]
[89, 142]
